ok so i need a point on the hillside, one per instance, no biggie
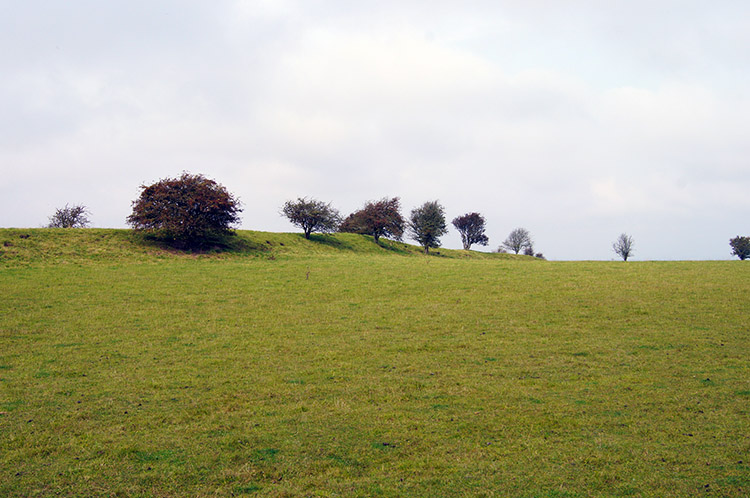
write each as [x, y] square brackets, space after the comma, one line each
[59, 246]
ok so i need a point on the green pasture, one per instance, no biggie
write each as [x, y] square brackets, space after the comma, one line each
[333, 367]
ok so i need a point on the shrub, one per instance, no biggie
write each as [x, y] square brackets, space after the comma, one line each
[190, 211]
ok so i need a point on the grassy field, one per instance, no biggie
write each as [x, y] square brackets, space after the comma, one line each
[335, 368]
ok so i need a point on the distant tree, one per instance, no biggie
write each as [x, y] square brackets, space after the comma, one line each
[70, 217]
[518, 240]
[427, 224]
[740, 247]
[623, 246]
[380, 219]
[528, 251]
[471, 228]
[188, 211]
[539, 255]
[312, 216]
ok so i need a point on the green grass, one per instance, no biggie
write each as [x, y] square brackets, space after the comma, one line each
[333, 367]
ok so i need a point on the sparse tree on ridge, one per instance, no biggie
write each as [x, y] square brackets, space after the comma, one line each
[471, 228]
[70, 217]
[518, 240]
[188, 211]
[427, 225]
[312, 215]
[740, 247]
[379, 218]
[623, 246]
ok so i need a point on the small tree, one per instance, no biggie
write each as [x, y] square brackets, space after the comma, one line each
[312, 215]
[518, 240]
[70, 217]
[188, 211]
[740, 247]
[528, 251]
[471, 228]
[379, 219]
[427, 225]
[623, 246]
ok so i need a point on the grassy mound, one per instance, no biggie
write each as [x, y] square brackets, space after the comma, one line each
[59, 246]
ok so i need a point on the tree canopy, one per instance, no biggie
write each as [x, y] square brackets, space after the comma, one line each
[740, 247]
[312, 215]
[189, 211]
[427, 224]
[378, 218]
[471, 227]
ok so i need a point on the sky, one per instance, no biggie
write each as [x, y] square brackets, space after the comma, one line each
[578, 120]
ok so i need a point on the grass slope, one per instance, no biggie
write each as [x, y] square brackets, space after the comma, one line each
[137, 372]
[60, 246]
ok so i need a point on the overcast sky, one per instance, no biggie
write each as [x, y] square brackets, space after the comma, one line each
[578, 120]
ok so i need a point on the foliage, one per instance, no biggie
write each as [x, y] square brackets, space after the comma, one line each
[518, 240]
[427, 224]
[471, 226]
[379, 218]
[623, 246]
[70, 217]
[190, 211]
[312, 215]
[740, 247]
[528, 251]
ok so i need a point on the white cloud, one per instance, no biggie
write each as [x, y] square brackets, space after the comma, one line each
[565, 118]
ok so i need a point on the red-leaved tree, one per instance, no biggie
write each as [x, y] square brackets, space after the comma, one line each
[190, 211]
[380, 219]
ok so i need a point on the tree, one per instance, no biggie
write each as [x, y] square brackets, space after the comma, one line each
[740, 247]
[471, 228]
[623, 246]
[312, 215]
[188, 211]
[518, 240]
[379, 219]
[427, 225]
[70, 217]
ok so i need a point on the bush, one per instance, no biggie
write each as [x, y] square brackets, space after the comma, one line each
[190, 211]
[70, 217]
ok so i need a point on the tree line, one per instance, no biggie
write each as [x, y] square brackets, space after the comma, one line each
[192, 211]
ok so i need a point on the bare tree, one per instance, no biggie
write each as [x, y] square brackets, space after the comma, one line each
[518, 240]
[623, 246]
[312, 215]
[70, 217]
[471, 228]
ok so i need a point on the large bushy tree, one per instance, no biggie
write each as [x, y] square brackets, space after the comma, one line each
[623, 246]
[190, 211]
[70, 217]
[518, 240]
[427, 225]
[378, 218]
[312, 215]
[471, 227]
[740, 247]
